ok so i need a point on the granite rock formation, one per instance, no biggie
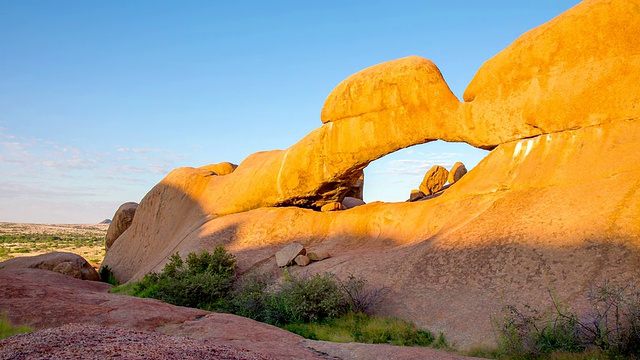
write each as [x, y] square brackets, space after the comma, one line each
[561, 100]
[121, 221]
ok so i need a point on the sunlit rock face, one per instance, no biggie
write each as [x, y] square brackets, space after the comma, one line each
[556, 203]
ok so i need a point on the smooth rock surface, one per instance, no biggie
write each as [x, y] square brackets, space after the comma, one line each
[220, 169]
[121, 221]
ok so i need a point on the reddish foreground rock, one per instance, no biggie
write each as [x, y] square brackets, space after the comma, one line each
[77, 341]
[119, 325]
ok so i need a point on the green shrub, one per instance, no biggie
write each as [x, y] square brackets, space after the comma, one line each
[201, 281]
[299, 299]
[611, 328]
[106, 275]
[7, 329]
[249, 297]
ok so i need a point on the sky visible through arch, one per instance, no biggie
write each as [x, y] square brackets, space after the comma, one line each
[100, 100]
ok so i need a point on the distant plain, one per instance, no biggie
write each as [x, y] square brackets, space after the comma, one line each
[21, 239]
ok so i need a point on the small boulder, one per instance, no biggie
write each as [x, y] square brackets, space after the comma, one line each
[302, 260]
[457, 171]
[61, 262]
[351, 202]
[122, 219]
[332, 206]
[288, 254]
[416, 195]
[318, 255]
[434, 180]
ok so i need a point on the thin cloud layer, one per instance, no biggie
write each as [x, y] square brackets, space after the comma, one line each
[46, 176]
[418, 165]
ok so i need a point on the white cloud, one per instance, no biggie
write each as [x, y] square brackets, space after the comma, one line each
[418, 165]
[38, 171]
[73, 163]
[140, 150]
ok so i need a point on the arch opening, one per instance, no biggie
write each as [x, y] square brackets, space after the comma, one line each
[393, 177]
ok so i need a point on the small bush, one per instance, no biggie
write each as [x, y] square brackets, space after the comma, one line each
[201, 281]
[360, 298]
[249, 297]
[7, 329]
[305, 299]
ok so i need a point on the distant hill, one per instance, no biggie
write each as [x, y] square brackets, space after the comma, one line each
[105, 221]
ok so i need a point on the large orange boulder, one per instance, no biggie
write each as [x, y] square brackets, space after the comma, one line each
[434, 180]
[555, 203]
[579, 69]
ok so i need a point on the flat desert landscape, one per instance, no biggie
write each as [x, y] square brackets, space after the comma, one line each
[21, 239]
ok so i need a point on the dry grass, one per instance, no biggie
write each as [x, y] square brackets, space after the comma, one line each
[19, 239]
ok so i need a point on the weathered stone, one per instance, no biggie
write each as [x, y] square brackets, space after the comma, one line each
[416, 195]
[69, 269]
[220, 169]
[434, 180]
[302, 260]
[62, 262]
[318, 255]
[122, 219]
[333, 206]
[350, 202]
[357, 189]
[288, 254]
[457, 171]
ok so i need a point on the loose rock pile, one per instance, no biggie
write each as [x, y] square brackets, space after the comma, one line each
[296, 253]
[435, 179]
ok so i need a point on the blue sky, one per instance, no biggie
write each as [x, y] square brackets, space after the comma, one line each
[100, 100]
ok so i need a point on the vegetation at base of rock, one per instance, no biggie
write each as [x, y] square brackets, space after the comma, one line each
[200, 281]
[106, 275]
[302, 299]
[314, 306]
[611, 329]
[297, 299]
[7, 329]
[369, 329]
